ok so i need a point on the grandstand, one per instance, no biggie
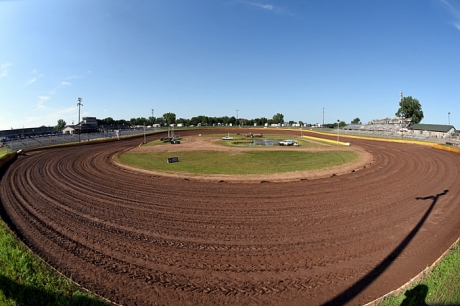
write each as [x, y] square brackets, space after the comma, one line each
[426, 132]
[29, 142]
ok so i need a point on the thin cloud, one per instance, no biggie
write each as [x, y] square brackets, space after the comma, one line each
[262, 6]
[3, 69]
[31, 81]
[41, 103]
[454, 11]
[34, 79]
[268, 7]
[54, 91]
[47, 96]
[4, 66]
[50, 115]
[259, 5]
[51, 93]
[72, 77]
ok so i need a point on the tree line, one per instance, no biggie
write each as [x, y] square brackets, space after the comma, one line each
[171, 118]
[408, 108]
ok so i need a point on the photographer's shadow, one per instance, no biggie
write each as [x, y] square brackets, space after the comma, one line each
[416, 296]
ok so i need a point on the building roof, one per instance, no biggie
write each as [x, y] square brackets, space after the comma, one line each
[432, 127]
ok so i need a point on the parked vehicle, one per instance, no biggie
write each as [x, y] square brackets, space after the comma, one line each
[228, 137]
[288, 142]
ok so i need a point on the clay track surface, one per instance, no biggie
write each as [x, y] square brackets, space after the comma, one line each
[144, 239]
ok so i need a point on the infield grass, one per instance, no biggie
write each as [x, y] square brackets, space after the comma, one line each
[241, 163]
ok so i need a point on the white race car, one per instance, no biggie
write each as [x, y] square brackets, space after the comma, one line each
[288, 142]
[228, 137]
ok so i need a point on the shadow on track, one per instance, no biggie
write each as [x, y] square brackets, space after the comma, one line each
[363, 283]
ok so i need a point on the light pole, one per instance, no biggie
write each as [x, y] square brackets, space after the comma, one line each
[448, 121]
[338, 130]
[144, 134]
[402, 113]
[79, 130]
[237, 118]
[323, 119]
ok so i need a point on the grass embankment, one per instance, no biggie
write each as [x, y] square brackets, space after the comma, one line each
[26, 280]
[3, 151]
[441, 287]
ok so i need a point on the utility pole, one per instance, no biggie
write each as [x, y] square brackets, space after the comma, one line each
[237, 118]
[79, 130]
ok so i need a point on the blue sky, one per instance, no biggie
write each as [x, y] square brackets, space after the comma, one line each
[213, 57]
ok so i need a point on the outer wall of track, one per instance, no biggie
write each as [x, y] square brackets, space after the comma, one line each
[141, 239]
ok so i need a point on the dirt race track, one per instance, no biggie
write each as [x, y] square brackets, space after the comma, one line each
[144, 239]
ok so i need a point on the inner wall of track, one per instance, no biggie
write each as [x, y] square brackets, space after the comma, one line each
[143, 239]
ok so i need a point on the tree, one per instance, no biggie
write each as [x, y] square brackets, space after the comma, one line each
[137, 121]
[261, 121]
[160, 121]
[183, 121]
[410, 108]
[194, 121]
[278, 118]
[356, 121]
[203, 120]
[121, 122]
[341, 124]
[60, 125]
[109, 120]
[170, 118]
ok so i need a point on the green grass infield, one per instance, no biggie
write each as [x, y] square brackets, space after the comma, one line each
[240, 163]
